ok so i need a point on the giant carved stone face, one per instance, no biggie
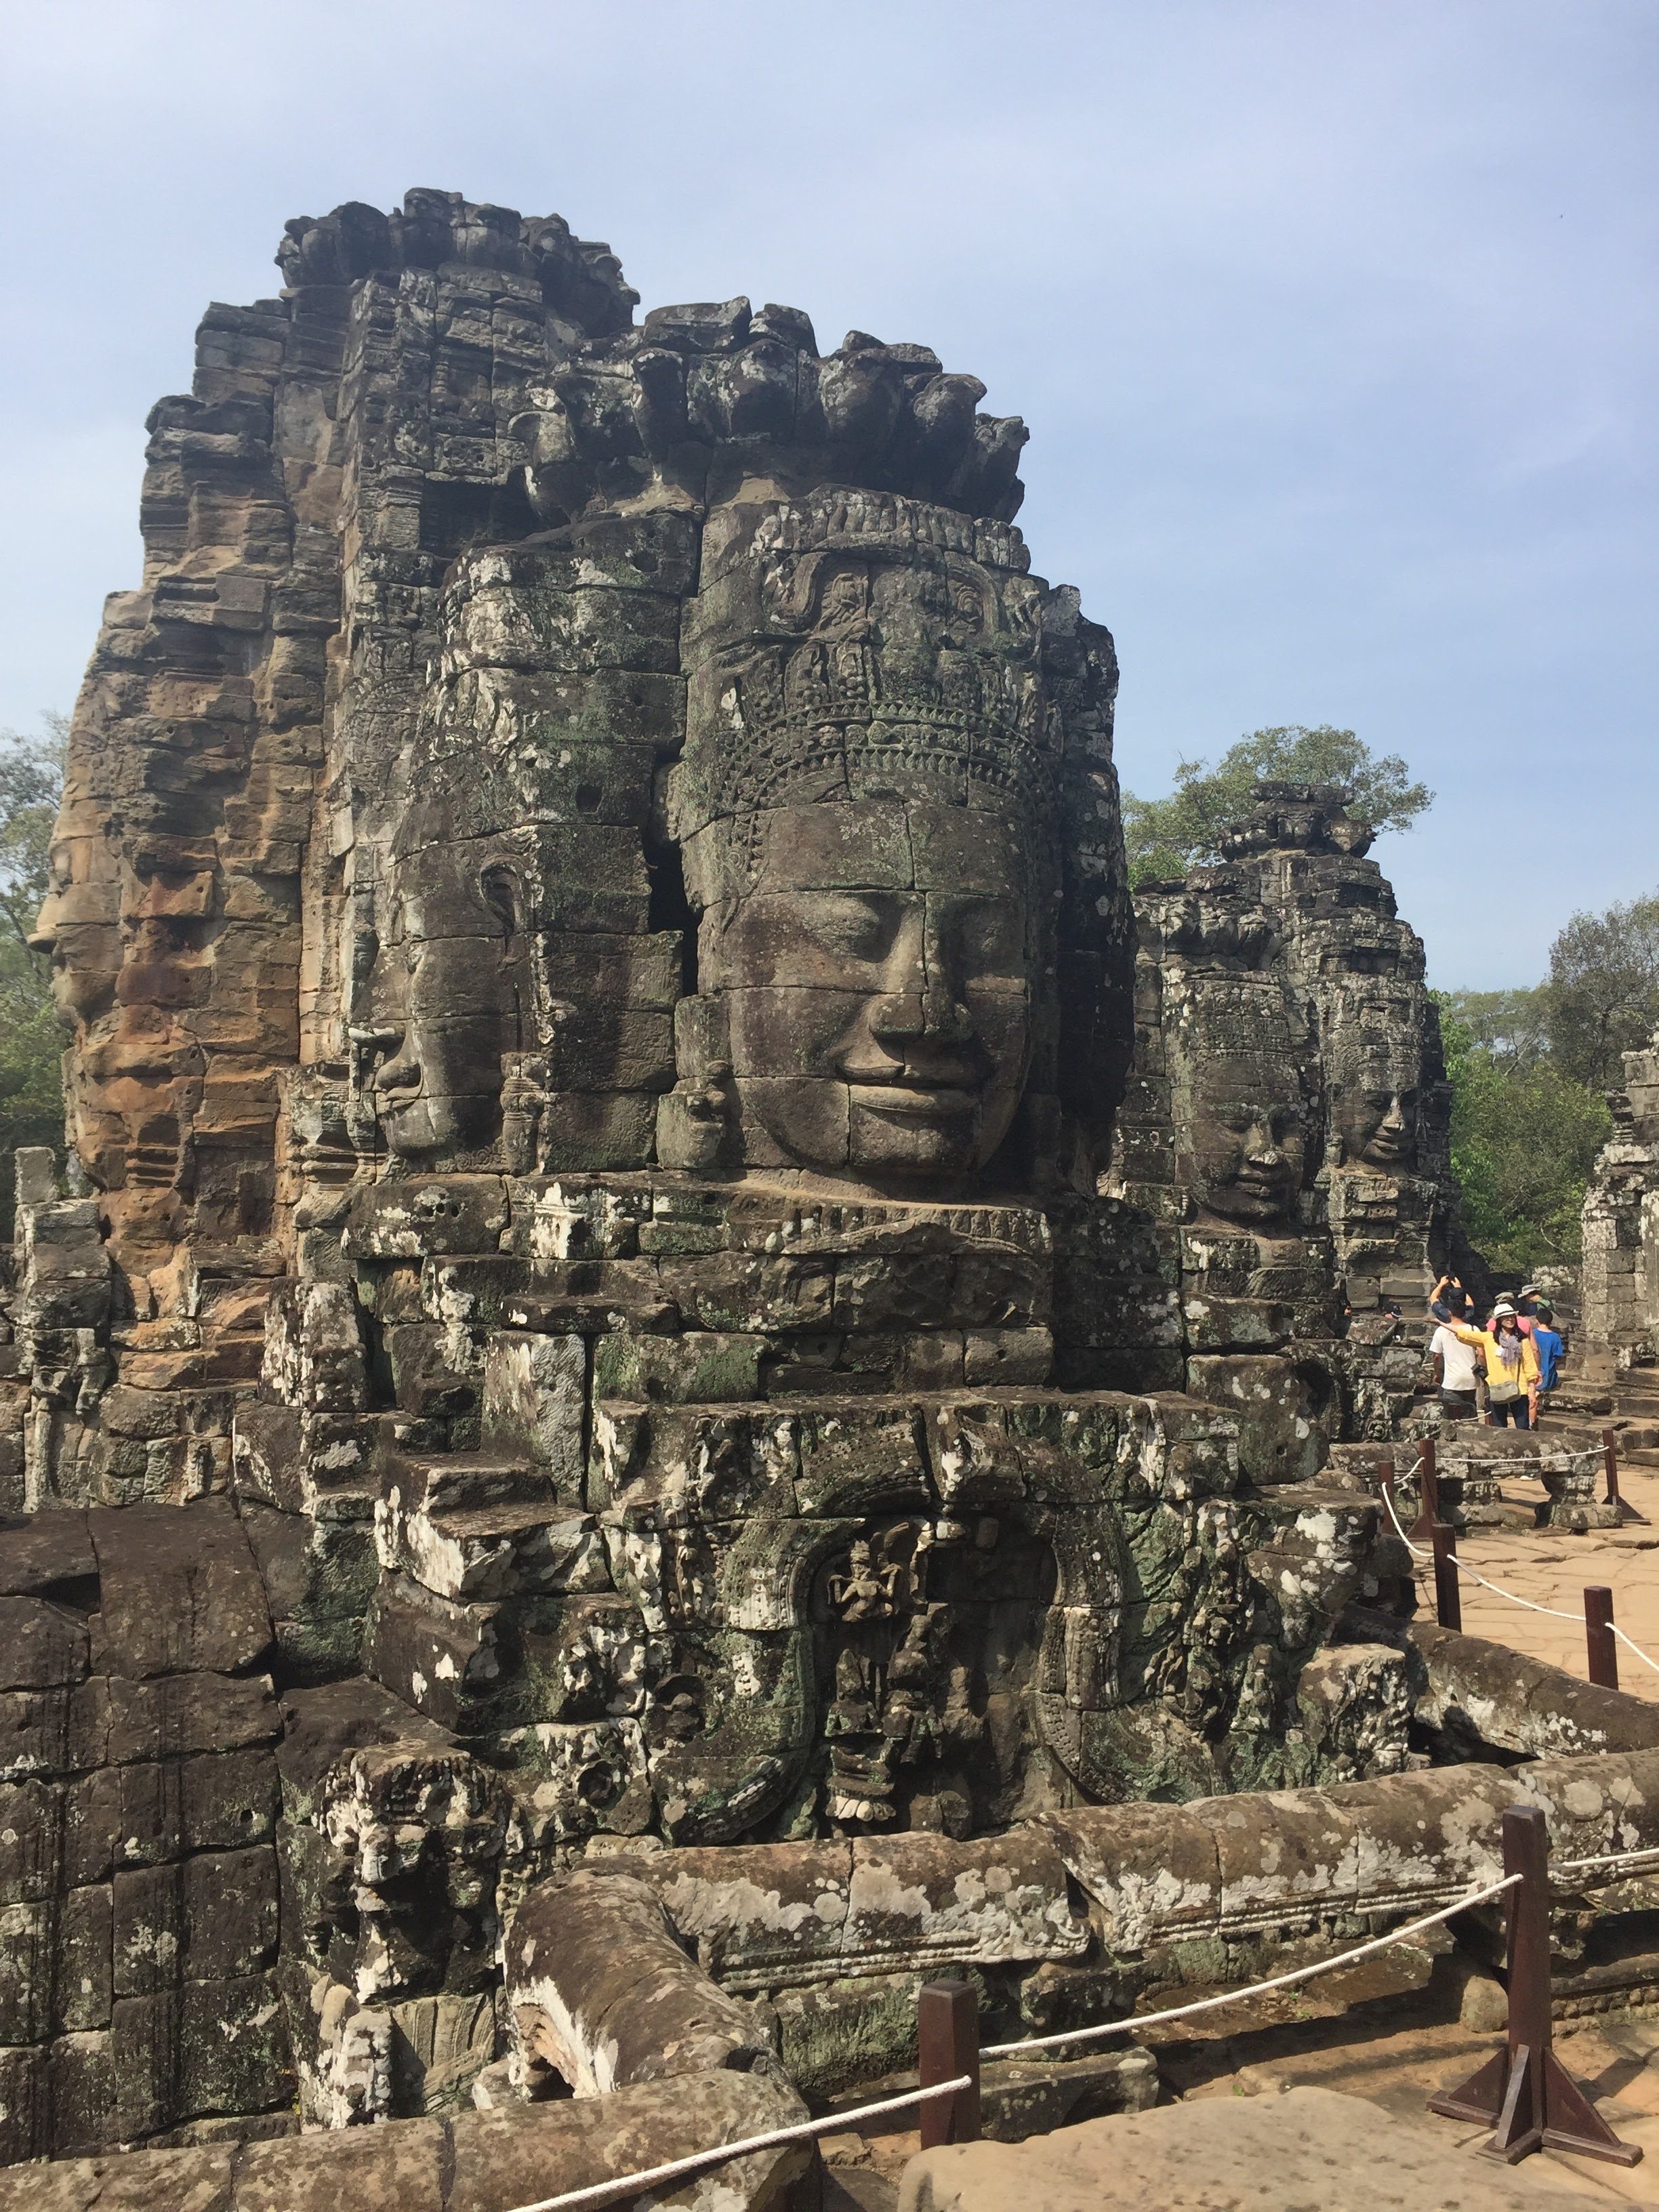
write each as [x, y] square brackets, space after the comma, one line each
[1240, 1105]
[864, 802]
[1377, 1118]
[1247, 1137]
[78, 926]
[451, 997]
[877, 979]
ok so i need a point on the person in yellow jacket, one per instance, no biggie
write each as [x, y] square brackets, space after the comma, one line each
[1510, 1361]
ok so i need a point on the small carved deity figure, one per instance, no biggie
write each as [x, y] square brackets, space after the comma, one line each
[881, 1716]
[865, 806]
[862, 1593]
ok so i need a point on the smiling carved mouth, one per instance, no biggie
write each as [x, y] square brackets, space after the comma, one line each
[916, 1102]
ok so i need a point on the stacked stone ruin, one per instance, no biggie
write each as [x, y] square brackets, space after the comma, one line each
[688, 1369]
[1619, 1277]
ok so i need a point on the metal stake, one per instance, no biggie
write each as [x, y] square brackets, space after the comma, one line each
[1600, 1642]
[947, 2044]
[1524, 2091]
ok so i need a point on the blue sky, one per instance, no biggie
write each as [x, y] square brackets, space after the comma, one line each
[1333, 322]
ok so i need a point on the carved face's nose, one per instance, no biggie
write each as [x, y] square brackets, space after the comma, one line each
[1263, 1148]
[43, 937]
[402, 1071]
[920, 999]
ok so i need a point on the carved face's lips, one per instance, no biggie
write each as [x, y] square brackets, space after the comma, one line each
[914, 1101]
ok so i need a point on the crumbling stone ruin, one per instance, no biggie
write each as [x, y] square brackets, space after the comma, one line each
[1619, 1277]
[688, 1369]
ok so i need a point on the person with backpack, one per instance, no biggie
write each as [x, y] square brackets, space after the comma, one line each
[1511, 1366]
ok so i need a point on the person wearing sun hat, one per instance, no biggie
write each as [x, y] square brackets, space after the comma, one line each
[1510, 1364]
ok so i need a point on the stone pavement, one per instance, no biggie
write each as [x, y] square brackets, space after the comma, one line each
[1309, 2148]
[1392, 2055]
[1615, 2057]
[1552, 1568]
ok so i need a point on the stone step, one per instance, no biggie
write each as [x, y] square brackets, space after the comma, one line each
[448, 1482]
[512, 1549]
[1580, 1401]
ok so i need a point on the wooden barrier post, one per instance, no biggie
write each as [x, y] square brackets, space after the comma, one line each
[1448, 1599]
[1602, 1645]
[1610, 1458]
[947, 2044]
[1524, 2093]
[1428, 1477]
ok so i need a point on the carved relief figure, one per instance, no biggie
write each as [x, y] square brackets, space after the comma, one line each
[897, 1703]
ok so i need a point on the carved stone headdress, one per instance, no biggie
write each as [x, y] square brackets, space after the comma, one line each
[797, 702]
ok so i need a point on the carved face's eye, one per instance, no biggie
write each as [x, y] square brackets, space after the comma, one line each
[858, 925]
[991, 938]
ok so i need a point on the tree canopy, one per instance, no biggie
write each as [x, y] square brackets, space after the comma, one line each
[31, 1041]
[1167, 836]
[1603, 991]
[1530, 1070]
[1524, 1138]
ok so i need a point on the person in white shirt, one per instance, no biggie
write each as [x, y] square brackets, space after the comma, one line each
[1455, 1374]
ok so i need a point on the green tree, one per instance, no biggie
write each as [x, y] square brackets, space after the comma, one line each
[1524, 1138]
[1167, 836]
[1603, 991]
[1512, 1026]
[31, 1041]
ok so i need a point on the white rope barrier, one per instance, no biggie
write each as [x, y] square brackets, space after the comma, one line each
[1608, 1859]
[1498, 1590]
[1136, 2022]
[628, 2184]
[631, 2184]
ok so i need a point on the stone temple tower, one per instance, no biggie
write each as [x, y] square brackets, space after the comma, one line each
[644, 1197]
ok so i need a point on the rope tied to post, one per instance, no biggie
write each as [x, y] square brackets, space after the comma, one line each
[1418, 1551]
